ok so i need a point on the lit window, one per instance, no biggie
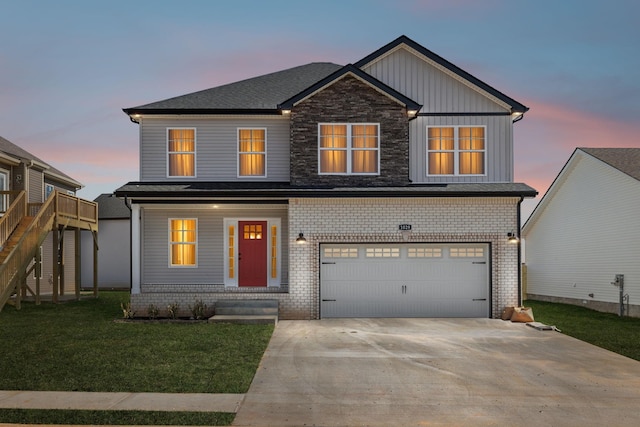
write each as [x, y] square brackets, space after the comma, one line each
[424, 252]
[466, 252]
[456, 150]
[181, 152]
[231, 251]
[183, 242]
[274, 252]
[341, 252]
[349, 148]
[382, 252]
[252, 153]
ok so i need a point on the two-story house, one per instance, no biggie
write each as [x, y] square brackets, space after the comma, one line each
[382, 188]
[40, 222]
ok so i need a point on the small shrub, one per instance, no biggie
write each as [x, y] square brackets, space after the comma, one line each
[198, 310]
[152, 311]
[127, 312]
[173, 310]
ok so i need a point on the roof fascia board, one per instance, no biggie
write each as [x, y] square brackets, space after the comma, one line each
[199, 111]
[445, 66]
[62, 179]
[213, 115]
[6, 158]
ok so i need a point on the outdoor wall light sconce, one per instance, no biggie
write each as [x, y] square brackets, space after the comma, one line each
[301, 239]
[512, 238]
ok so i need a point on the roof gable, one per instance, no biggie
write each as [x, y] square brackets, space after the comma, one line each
[624, 160]
[444, 65]
[358, 74]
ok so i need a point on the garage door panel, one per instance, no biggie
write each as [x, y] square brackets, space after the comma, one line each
[405, 280]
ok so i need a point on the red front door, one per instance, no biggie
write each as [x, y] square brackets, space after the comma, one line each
[252, 253]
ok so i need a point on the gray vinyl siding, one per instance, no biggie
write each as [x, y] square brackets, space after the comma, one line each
[416, 77]
[210, 250]
[36, 186]
[499, 149]
[216, 147]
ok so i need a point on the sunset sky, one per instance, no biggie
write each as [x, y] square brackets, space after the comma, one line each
[68, 67]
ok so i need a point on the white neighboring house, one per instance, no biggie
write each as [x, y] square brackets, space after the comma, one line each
[114, 261]
[586, 230]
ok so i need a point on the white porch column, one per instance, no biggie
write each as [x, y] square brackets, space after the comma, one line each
[136, 235]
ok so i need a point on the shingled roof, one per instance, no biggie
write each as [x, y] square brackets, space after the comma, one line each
[19, 153]
[626, 160]
[258, 94]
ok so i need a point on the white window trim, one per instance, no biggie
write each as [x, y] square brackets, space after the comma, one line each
[271, 281]
[4, 203]
[238, 153]
[349, 149]
[456, 150]
[195, 152]
[169, 243]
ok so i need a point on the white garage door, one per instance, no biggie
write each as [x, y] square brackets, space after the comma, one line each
[404, 280]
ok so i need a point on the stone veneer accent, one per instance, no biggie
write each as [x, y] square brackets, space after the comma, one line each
[349, 100]
[344, 220]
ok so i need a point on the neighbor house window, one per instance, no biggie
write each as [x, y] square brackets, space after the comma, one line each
[181, 152]
[183, 236]
[349, 148]
[456, 150]
[48, 189]
[252, 152]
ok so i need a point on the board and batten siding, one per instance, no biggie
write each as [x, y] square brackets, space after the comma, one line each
[588, 231]
[216, 147]
[210, 249]
[438, 91]
[417, 77]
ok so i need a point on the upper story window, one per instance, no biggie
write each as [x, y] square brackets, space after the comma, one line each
[456, 150]
[252, 152]
[181, 152]
[183, 241]
[345, 148]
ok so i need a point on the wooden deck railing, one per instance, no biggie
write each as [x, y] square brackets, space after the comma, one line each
[12, 216]
[75, 208]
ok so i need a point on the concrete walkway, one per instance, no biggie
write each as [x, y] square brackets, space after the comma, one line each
[196, 402]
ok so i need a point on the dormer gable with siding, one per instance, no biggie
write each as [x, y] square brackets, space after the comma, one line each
[464, 131]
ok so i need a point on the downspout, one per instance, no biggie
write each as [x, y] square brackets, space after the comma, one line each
[127, 203]
[518, 219]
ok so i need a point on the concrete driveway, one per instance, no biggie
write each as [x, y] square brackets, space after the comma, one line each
[437, 372]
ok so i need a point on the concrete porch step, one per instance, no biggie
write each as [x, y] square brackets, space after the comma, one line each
[246, 311]
[245, 319]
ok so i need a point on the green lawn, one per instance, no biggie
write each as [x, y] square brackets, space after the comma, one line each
[80, 346]
[606, 330]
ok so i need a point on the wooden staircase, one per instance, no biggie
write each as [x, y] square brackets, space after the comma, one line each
[23, 229]
[15, 237]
